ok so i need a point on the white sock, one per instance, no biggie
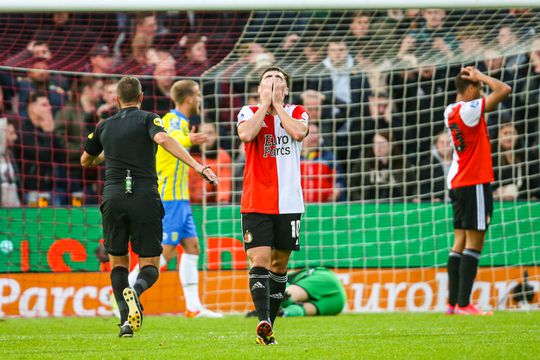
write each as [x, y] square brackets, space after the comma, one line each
[189, 278]
[132, 277]
[162, 261]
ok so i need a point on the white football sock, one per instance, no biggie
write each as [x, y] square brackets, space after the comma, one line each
[189, 277]
[162, 262]
[132, 277]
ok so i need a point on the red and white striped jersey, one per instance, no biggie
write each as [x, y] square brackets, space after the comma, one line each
[272, 174]
[467, 128]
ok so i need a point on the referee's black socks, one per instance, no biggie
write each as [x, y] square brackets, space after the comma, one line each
[119, 281]
[278, 282]
[467, 273]
[454, 260]
[148, 275]
[260, 292]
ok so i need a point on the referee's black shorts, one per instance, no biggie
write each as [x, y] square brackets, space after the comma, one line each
[135, 217]
[472, 206]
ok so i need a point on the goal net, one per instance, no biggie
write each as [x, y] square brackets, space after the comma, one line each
[375, 84]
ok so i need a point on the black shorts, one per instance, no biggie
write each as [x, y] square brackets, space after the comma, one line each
[135, 218]
[473, 207]
[279, 231]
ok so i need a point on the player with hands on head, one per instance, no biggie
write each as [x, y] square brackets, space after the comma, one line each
[469, 178]
[131, 207]
[178, 224]
[272, 203]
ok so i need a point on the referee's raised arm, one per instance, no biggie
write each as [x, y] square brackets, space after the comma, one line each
[178, 151]
[93, 154]
[131, 207]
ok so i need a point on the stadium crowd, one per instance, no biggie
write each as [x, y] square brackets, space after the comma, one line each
[374, 84]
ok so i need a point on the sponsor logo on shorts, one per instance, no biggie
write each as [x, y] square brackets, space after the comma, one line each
[248, 237]
[165, 236]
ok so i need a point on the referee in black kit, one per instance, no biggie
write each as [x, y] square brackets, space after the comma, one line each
[131, 206]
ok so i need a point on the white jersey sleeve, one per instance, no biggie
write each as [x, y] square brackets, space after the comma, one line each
[471, 112]
[245, 113]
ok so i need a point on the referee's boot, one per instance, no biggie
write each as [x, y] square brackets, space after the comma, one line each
[125, 330]
[135, 314]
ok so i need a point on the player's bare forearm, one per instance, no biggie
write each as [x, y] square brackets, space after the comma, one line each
[296, 129]
[88, 160]
[499, 91]
[178, 151]
[248, 130]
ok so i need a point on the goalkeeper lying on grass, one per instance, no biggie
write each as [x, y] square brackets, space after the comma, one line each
[315, 291]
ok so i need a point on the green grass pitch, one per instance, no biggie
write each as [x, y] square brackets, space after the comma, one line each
[506, 335]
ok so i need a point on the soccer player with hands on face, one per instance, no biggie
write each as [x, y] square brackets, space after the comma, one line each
[469, 179]
[272, 203]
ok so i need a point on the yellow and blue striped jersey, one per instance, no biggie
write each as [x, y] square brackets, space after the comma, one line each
[173, 173]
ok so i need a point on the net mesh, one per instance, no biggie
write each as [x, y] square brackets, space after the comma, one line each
[375, 84]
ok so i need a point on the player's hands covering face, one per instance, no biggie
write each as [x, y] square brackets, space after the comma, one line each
[265, 91]
[278, 92]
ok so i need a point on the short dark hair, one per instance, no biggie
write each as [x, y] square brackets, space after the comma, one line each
[129, 89]
[182, 89]
[141, 16]
[275, 68]
[463, 84]
[36, 95]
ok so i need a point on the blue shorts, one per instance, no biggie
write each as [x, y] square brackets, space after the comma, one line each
[178, 222]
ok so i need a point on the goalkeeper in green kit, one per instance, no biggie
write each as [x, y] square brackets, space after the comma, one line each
[315, 291]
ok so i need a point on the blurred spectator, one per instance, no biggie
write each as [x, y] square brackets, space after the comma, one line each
[380, 113]
[157, 91]
[220, 162]
[320, 176]
[530, 96]
[109, 107]
[517, 170]
[470, 42]
[493, 65]
[146, 27]
[252, 96]
[101, 60]
[137, 61]
[405, 20]
[9, 171]
[348, 91]
[72, 125]
[40, 79]
[36, 48]
[383, 174]
[192, 55]
[433, 35]
[37, 151]
[434, 170]
[250, 57]
[508, 41]
[419, 94]
[360, 38]
[319, 113]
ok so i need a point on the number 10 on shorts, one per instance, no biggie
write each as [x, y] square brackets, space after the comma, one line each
[295, 229]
